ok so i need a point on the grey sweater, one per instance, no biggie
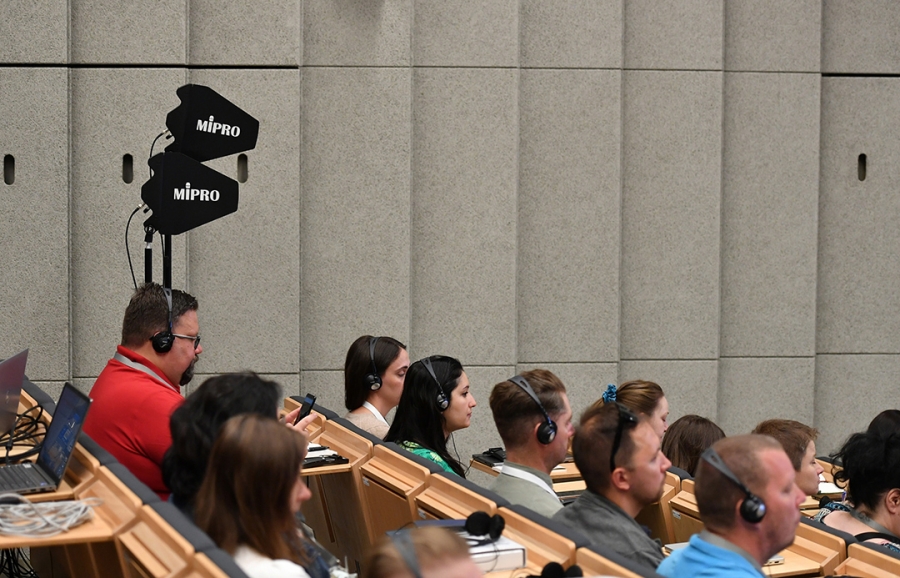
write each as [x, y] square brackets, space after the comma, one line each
[607, 525]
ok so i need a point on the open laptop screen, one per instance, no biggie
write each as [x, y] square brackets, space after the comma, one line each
[59, 443]
[12, 373]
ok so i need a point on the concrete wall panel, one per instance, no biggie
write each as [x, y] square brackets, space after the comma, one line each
[770, 205]
[357, 33]
[860, 36]
[755, 389]
[850, 391]
[234, 32]
[572, 34]
[113, 32]
[464, 212]
[114, 112]
[768, 35]
[671, 215]
[465, 33]
[569, 220]
[34, 238]
[674, 34]
[858, 303]
[355, 210]
[34, 32]
[256, 249]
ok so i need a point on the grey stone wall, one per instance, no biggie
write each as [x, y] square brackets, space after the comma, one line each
[643, 188]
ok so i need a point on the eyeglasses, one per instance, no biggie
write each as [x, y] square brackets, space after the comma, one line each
[194, 338]
[626, 419]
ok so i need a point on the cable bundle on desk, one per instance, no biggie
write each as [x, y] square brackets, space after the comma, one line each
[28, 432]
[24, 518]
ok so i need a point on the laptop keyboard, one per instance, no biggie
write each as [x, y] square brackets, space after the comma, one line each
[17, 478]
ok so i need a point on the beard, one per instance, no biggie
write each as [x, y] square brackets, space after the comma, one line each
[188, 374]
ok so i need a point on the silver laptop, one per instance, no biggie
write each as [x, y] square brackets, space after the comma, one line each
[12, 374]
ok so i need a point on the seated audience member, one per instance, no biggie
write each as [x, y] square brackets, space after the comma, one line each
[140, 387]
[427, 552]
[740, 535]
[252, 490]
[644, 398]
[535, 431]
[435, 403]
[373, 381]
[197, 422]
[687, 438]
[799, 443]
[624, 469]
[886, 423]
[870, 472]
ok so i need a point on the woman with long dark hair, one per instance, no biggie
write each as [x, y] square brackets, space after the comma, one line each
[252, 490]
[435, 403]
[374, 373]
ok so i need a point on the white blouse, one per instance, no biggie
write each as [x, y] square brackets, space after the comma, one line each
[256, 565]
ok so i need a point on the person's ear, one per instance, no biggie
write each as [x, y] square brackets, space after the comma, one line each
[621, 479]
[892, 501]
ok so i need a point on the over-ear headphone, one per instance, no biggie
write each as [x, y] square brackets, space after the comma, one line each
[441, 399]
[546, 431]
[752, 507]
[402, 541]
[163, 341]
[483, 524]
[372, 378]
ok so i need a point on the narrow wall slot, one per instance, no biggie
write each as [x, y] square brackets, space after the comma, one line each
[9, 169]
[861, 167]
[242, 168]
[128, 169]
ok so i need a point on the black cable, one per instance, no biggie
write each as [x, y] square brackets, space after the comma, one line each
[29, 429]
[168, 135]
[127, 250]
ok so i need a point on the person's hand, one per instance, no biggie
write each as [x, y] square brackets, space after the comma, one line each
[301, 425]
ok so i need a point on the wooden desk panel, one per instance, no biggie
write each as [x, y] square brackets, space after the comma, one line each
[152, 548]
[867, 563]
[390, 486]
[542, 545]
[593, 564]
[444, 500]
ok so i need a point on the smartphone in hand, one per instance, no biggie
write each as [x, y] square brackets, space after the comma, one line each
[305, 407]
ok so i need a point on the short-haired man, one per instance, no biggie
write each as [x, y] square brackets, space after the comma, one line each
[140, 387]
[736, 541]
[524, 426]
[799, 443]
[622, 463]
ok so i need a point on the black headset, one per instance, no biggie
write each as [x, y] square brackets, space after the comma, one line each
[441, 399]
[547, 431]
[372, 379]
[487, 527]
[753, 509]
[403, 543]
[163, 341]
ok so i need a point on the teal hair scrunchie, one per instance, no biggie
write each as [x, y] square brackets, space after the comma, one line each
[609, 395]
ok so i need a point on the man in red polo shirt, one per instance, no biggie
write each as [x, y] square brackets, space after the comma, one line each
[140, 387]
